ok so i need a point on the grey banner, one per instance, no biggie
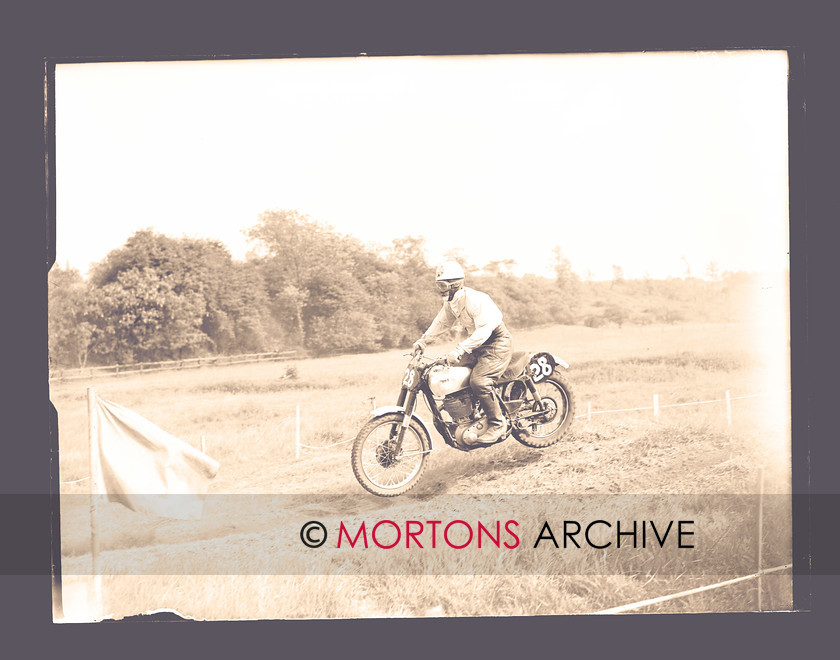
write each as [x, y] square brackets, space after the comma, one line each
[443, 535]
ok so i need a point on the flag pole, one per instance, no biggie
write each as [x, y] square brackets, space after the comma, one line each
[93, 445]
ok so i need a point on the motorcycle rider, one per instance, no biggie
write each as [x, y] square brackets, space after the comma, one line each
[488, 349]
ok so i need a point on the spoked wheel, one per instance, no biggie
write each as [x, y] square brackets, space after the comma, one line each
[378, 467]
[555, 413]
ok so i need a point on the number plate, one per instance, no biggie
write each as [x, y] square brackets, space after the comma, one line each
[541, 366]
[411, 379]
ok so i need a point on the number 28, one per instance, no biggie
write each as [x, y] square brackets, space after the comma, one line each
[408, 381]
[541, 369]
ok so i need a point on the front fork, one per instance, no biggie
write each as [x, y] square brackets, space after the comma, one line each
[406, 401]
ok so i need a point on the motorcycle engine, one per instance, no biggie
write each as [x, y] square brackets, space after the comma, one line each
[461, 406]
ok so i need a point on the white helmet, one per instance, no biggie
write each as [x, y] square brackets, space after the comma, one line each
[449, 278]
[449, 270]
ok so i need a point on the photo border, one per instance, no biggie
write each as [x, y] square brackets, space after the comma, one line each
[75, 33]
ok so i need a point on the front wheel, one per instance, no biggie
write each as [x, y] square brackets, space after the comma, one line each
[553, 416]
[378, 468]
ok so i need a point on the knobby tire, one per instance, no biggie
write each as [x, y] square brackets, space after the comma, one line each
[364, 441]
[563, 388]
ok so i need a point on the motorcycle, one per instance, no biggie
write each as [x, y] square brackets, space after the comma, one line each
[389, 453]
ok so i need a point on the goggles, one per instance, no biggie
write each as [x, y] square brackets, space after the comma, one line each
[447, 285]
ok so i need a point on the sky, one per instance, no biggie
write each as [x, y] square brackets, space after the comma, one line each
[654, 162]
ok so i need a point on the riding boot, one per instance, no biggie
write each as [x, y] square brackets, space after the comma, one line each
[496, 425]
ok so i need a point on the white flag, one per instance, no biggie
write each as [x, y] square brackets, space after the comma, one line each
[147, 469]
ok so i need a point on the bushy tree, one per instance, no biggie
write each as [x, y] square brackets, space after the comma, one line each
[70, 335]
[307, 286]
[417, 301]
[328, 290]
[299, 248]
[527, 301]
[160, 298]
[144, 316]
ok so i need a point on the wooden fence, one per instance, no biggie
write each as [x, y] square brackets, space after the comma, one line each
[170, 365]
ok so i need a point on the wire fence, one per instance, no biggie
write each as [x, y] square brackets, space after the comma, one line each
[334, 444]
[169, 365]
[656, 407]
[299, 445]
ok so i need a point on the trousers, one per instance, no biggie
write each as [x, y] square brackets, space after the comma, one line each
[489, 361]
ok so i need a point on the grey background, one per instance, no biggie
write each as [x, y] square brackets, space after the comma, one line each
[153, 29]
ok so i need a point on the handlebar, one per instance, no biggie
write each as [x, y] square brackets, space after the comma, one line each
[431, 361]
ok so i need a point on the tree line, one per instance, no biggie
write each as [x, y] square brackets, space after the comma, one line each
[305, 287]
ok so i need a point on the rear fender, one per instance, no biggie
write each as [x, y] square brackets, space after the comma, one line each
[560, 361]
[385, 410]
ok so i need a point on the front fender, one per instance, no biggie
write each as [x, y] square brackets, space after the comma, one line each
[384, 410]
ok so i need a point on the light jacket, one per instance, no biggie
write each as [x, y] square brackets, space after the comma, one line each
[473, 310]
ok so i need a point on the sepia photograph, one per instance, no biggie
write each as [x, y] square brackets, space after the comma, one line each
[422, 336]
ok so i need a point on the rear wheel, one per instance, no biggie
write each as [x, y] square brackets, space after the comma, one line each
[554, 415]
[378, 468]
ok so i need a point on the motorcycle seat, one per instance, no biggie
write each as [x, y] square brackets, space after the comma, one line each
[518, 362]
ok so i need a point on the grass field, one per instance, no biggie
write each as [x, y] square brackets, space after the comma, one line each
[246, 415]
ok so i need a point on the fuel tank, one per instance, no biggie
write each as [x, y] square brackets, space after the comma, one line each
[445, 380]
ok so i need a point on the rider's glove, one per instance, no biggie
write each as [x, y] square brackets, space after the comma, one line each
[418, 348]
[454, 356]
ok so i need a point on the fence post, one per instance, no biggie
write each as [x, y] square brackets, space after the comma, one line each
[728, 409]
[203, 446]
[656, 405]
[297, 431]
